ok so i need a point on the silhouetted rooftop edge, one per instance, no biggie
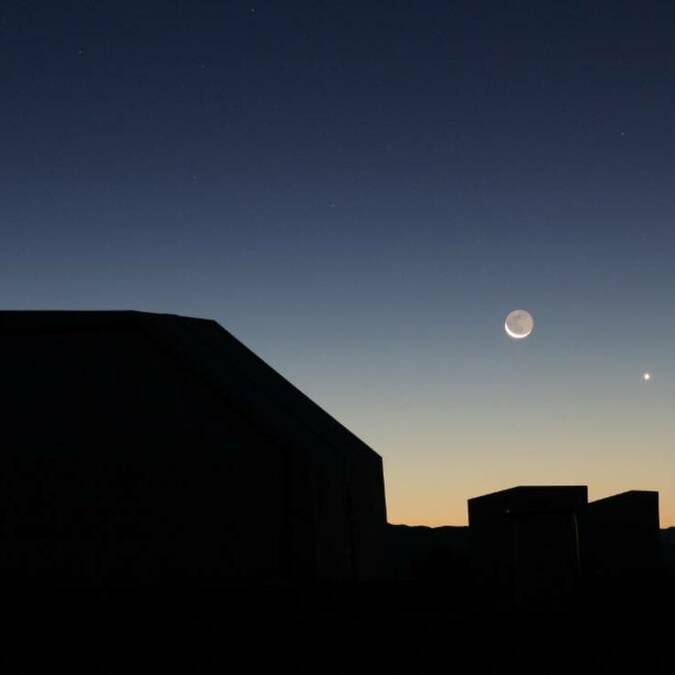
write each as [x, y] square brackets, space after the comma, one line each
[628, 494]
[200, 345]
[530, 489]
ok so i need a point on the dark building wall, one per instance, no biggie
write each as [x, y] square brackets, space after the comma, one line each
[153, 445]
[525, 540]
[621, 533]
[667, 550]
[367, 512]
[119, 453]
[341, 462]
[337, 454]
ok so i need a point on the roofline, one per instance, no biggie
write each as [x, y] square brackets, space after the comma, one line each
[22, 322]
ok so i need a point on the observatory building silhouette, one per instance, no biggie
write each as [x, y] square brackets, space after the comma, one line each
[527, 539]
[143, 447]
[620, 533]
[536, 543]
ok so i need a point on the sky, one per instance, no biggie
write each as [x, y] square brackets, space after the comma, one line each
[361, 191]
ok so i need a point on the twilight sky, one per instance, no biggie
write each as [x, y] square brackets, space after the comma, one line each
[361, 191]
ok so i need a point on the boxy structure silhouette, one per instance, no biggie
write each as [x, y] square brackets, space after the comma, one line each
[147, 448]
[621, 534]
[534, 544]
[140, 448]
[525, 540]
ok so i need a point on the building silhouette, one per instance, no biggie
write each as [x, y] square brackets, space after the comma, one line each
[620, 534]
[534, 545]
[146, 449]
[525, 541]
[141, 448]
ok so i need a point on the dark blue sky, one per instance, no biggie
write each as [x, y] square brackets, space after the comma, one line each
[361, 191]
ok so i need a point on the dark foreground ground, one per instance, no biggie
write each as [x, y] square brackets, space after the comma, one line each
[381, 628]
[452, 622]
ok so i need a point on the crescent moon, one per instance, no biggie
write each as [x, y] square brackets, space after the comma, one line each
[512, 334]
[519, 324]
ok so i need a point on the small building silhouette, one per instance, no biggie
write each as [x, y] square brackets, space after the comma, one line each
[621, 534]
[143, 447]
[525, 541]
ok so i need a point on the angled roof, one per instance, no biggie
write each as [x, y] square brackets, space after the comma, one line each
[215, 357]
[628, 496]
[530, 499]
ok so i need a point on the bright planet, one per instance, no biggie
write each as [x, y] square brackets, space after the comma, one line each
[519, 324]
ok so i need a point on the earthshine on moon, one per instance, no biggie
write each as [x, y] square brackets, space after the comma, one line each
[519, 324]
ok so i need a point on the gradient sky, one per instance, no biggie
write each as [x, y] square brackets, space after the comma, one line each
[361, 191]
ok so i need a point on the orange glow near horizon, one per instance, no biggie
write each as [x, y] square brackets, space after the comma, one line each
[434, 492]
[407, 508]
[470, 426]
